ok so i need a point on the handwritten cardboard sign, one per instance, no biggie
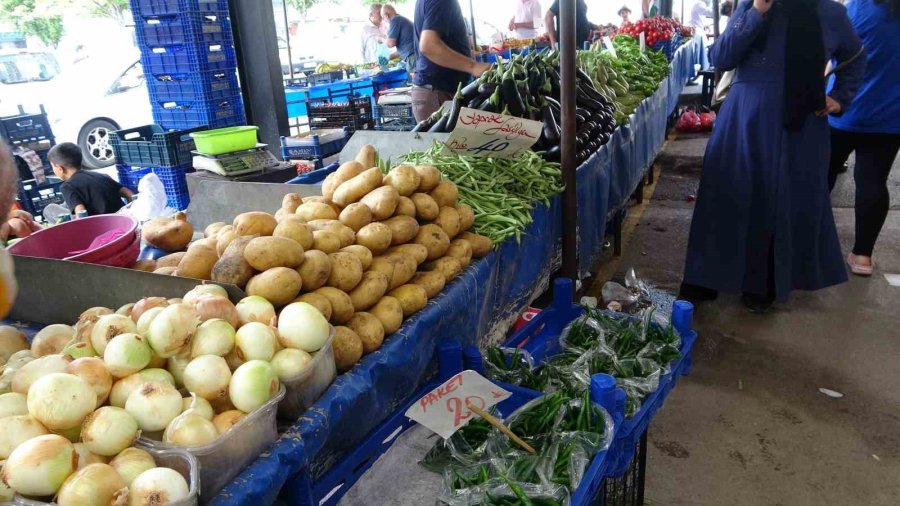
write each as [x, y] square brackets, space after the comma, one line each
[608, 44]
[444, 410]
[482, 133]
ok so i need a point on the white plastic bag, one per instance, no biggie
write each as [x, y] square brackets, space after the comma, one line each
[150, 202]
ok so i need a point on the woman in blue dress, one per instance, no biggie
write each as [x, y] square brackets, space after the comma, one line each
[763, 223]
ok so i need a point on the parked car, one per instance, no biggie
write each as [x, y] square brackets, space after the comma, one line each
[26, 78]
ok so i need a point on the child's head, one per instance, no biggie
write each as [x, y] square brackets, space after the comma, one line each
[64, 158]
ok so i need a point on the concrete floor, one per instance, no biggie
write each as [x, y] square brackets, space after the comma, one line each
[749, 426]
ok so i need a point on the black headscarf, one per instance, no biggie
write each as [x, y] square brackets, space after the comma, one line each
[804, 80]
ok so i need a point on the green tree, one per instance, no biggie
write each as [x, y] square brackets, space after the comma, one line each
[34, 17]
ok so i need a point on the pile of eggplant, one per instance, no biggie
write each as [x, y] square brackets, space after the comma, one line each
[528, 87]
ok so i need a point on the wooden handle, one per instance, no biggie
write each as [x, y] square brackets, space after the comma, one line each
[491, 419]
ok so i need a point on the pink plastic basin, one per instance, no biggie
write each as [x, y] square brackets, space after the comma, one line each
[57, 241]
[124, 258]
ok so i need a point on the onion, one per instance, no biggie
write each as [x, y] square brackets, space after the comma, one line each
[108, 327]
[132, 462]
[203, 290]
[86, 457]
[222, 405]
[255, 341]
[93, 371]
[39, 466]
[13, 404]
[198, 406]
[37, 368]
[156, 362]
[174, 301]
[252, 385]
[141, 306]
[213, 337]
[302, 326]
[125, 386]
[73, 434]
[143, 323]
[18, 359]
[6, 493]
[11, 341]
[61, 401]
[233, 360]
[207, 376]
[256, 309]
[176, 366]
[93, 314]
[227, 419]
[215, 306]
[15, 430]
[126, 310]
[79, 350]
[6, 380]
[172, 329]
[94, 484]
[190, 430]
[159, 485]
[126, 354]
[51, 340]
[154, 405]
[289, 362]
[108, 431]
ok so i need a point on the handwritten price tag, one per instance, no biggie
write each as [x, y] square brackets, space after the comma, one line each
[444, 410]
[481, 133]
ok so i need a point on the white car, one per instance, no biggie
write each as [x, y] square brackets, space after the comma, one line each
[26, 77]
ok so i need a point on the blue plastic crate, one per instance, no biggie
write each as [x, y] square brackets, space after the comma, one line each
[668, 47]
[193, 113]
[315, 144]
[184, 28]
[151, 145]
[129, 178]
[156, 7]
[178, 201]
[35, 197]
[315, 176]
[174, 181]
[209, 85]
[188, 58]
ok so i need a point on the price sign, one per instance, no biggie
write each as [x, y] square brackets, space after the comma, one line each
[481, 133]
[608, 44]
[444, 410]
[643, 42]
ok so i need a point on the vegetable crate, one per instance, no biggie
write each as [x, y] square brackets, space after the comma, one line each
[34, 197]
[209, 85]
[668, 47]
[185, 114]
[25, 128]
[628, 489]
[394, 117]
[173, 179]
[188, 58]
[315, 144]
[325, 77]
[355, 113]
[150, 145]
[189, 27]
[160, 7]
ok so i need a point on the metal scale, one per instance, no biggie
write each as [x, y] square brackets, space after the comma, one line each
[239, 163]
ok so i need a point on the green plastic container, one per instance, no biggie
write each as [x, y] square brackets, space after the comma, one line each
[225, 140]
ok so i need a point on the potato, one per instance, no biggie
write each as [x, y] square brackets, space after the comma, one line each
[165, 271]
[278, 285]
[450, 267]
[481, 245]
[370, 290]
[432, 281]
[389, 312]
[146, 265]
[291, 202]
[213, 228]
[328, 186]
[171, 260]
[344, 233]
[466, 217]
[326, 240]
[356, 216]
[232, 268]
[429, 176]
[366, 156]
[382, 201]
[404, 179]
[315, 269]
[363, 253]
[405, 207]
[296, 231]
[279, 215]
[341, 305]
[416, 251]
[461, 250]
[223, 239]
[317, 301]
[369, 329]
[170, 233]
[321, 224]
[255, 223]
[347, 347]
[358, 187]
[448, 219]
[426, 208]
[374, 236]
[435, 239]
[412, 298]
[237, 246]
[197, 263]
[264, 253]
[208, 242]
[404, 270]
[346, 172]
[384, 265]
[403, 229]
[445, 194]
[346, 271]
[310, 211]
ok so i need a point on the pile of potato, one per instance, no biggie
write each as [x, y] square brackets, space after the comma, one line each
[367, 254]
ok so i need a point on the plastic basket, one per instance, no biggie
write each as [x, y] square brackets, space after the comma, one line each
[150, 145]
[174, 181]
[25, 128]
[157, 7]
[400, 111]
[185, 27]
[183, 114]
[225, 140]
[325, 77]
[305, 388]
[188, 58]
[209, 85]
[628, 489]
[178, 201]
[34, 197]
[315, 144]
[355, 113]
[129, 178]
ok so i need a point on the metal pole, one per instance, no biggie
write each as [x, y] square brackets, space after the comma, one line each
[567, 48]
[287, 39]
[472, 22]
[716, 20]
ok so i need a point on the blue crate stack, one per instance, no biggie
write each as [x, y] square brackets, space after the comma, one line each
[187, 51]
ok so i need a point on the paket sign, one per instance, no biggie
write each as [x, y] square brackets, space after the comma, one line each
[482, 133]
[444, 409]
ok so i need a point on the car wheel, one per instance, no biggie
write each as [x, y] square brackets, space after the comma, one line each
[94, 143]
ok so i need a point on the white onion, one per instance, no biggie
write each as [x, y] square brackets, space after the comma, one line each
[143, 323]
[93, 484]
[227, 419]
[18, 359]
[39, 466]
[86, 457]
[213, 337]
[126, 354]
[174, 301]
[15, 430]
[11, 341]
[252, 385]
[123, 388]
[61, 401]
[207, 376]
[93, 314]
[222, 405]
[203, 290]
[108, 431]
[198, 406]
[6, 493]
[156, 362]
[12, 404]
[233, 359]
[51, 339]
[302, 326]
[256, 309]
[93, 371]
[145, 304]
[176, 366]
[79, 350]
[73, 434]
[131, 462]
[25, 376]
[190, 430]
[153, 405]
[172, 329]
[159, 485]
[6, 380]
[108, 327]
[255, 341]
[126, 309]
[215, 306]
[289, 362]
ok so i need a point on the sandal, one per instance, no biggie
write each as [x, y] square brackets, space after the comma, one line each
[859, 269]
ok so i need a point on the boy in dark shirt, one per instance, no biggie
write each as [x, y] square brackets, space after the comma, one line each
[83, 190]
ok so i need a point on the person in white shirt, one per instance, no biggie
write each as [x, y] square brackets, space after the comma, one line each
[527, 19]
[699, 12]
[373, 34]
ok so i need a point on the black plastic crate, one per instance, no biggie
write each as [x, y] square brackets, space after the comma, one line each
[26, 128]
[628, 489]
[355, 113]
[399, 111]
[325, 77]
[151, 145]
[35, 197]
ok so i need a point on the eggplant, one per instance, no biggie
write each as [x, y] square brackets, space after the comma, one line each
[455, 107]
[487, 88]
[553, 154]
[440, 125]
[509, 91]
[475, 102]
[550, 129]
[471, 89]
